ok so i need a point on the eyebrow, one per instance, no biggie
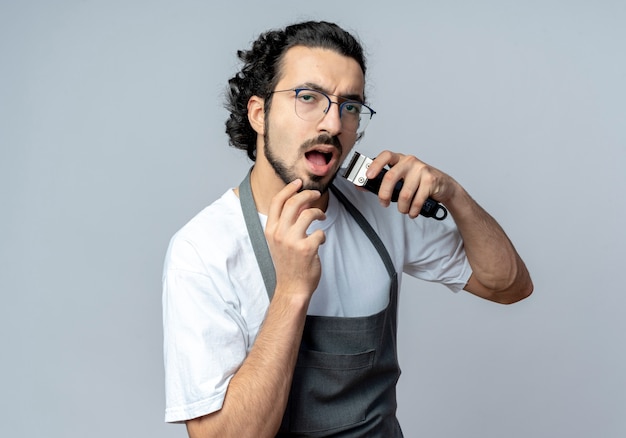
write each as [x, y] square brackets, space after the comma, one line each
[313, 86]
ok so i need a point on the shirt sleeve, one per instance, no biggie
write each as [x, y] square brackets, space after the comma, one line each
[204, 339]
[425, 248]
[436, 253]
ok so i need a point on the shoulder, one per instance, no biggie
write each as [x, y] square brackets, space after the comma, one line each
[216, 231]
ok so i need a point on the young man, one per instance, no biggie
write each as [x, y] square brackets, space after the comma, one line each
[280, 297]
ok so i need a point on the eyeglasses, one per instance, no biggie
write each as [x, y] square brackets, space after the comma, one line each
[312, 105]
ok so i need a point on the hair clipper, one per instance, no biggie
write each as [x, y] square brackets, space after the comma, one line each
[355, 173]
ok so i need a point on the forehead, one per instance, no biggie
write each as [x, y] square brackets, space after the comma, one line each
[334, 73]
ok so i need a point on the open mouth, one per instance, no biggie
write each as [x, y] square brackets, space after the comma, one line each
[320, 161]
[319, 158]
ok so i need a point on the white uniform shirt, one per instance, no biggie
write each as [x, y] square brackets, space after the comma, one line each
[214, 298]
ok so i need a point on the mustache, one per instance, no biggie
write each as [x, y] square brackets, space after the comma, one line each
[323, 139]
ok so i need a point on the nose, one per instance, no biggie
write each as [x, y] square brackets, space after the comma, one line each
[331, 122]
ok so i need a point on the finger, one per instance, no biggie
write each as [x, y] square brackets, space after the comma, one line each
[383, 159]
[296, 204]
[374, 171]
[407, 195]
[386, 189]
[278, 201]
[417, 203]
[295, 217]
[299, 227]
[428, 186]
[317, 238]
[402, 168]
[286, 192]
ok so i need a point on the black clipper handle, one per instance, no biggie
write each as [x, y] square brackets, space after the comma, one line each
[431, 208]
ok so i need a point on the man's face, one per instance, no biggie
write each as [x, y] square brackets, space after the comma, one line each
[310, 150]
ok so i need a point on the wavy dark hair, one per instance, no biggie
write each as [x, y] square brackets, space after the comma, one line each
[261, 71]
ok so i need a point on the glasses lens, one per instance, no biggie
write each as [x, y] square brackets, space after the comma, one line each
[355, 116]
[312, 105]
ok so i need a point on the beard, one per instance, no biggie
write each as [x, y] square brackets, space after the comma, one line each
[287, 173]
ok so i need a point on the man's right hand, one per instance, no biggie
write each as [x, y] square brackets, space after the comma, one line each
[294, 253]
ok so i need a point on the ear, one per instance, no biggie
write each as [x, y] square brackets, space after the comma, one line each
[256, 114]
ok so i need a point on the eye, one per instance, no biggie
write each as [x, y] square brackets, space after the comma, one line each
[353, 108]
[307, 96]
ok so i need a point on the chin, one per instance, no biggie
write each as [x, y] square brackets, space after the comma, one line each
[319, 183]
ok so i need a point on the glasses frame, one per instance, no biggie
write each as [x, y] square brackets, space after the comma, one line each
[341, 105]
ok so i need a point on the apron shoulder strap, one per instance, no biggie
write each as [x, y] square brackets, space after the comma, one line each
[257, 236]
[367, 229]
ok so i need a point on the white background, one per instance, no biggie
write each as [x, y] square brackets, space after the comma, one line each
[112, 137]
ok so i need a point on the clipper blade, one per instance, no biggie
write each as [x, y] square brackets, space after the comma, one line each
[355, 172]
